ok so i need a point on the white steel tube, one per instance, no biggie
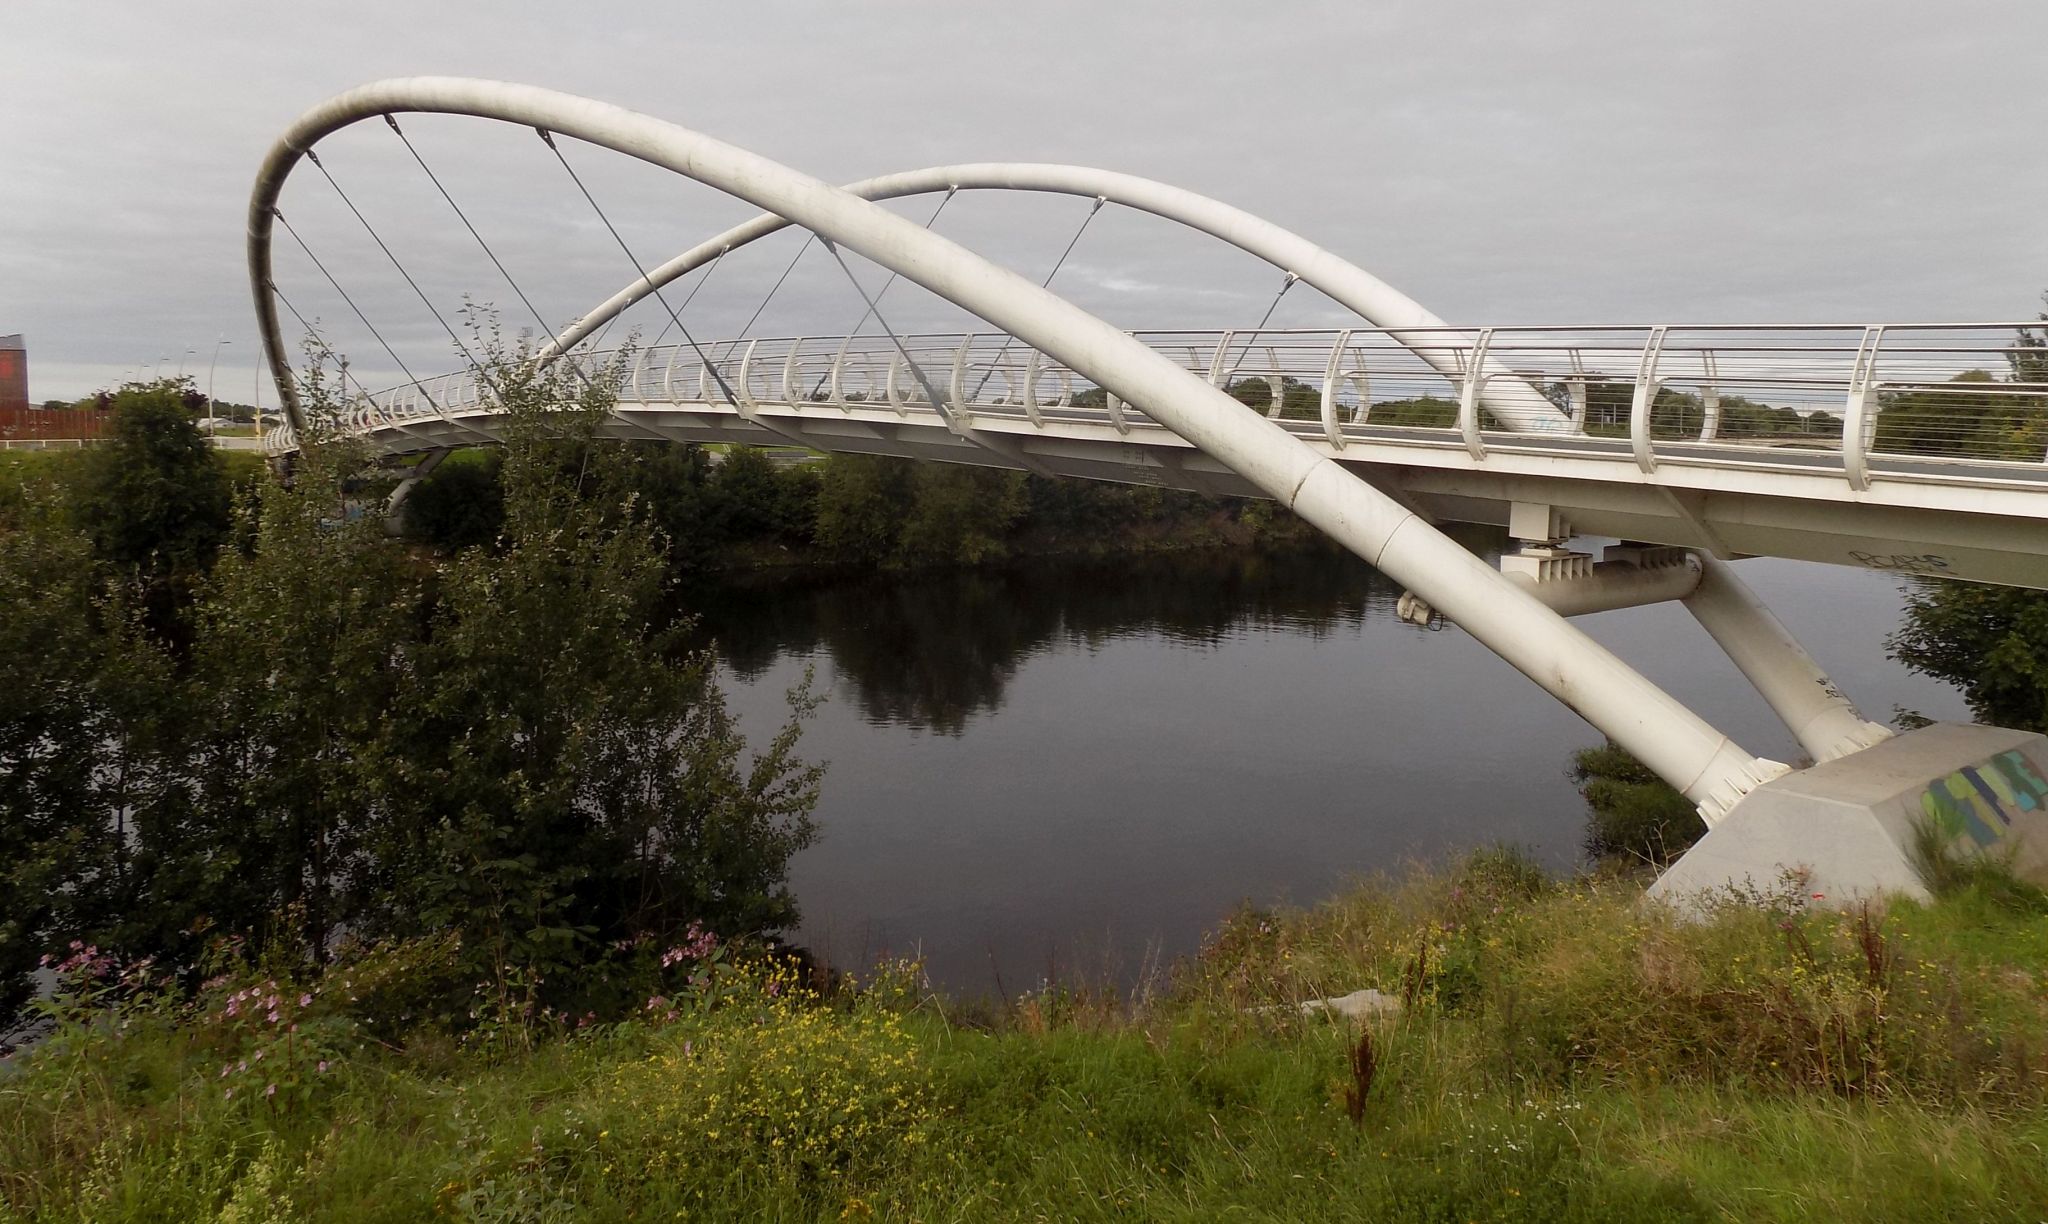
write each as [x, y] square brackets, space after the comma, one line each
[1826, 724]
[1669, 739]
[1613, 585]
[1516, 405]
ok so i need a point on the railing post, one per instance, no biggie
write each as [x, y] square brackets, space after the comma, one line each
[668, 374]
[746, 393]
[957, 388]
[1710, 399]
[1575, 389]
[1857, 422]
[896, 400]
[1645, 400]
[639, 368]
[1468, 395]
[789, 391]
[1222, 354]
[1331, 429]
[1031, 390]
[837, 382]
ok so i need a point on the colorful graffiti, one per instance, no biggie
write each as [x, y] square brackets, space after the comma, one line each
[1981, 800]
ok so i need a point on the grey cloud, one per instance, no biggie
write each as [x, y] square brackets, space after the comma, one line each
[1499, 161]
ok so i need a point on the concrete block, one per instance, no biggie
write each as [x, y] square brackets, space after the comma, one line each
[1848, 823]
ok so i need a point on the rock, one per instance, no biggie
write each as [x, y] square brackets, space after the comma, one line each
[1358, 1005]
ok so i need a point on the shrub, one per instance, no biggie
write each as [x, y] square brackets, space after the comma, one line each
[1632, 814]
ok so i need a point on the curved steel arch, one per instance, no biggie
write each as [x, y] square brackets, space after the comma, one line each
[1518, 405]
[1677, 744]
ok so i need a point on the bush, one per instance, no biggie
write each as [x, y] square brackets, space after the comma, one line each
[461, 504]
[1632, 814]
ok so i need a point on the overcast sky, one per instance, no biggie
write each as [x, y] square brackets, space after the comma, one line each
[1786, 160]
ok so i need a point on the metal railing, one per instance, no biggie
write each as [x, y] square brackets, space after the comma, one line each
[1909, 399]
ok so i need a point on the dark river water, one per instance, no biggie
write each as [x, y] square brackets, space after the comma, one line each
[1071, 769]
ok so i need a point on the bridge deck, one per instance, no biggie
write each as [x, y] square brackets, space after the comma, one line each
[1794, 443]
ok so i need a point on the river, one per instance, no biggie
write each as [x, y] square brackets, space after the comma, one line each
[1072, 769]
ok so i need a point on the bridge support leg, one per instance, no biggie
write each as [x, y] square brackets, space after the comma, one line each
[394, 507]
[1673, 742]
[1826, 725]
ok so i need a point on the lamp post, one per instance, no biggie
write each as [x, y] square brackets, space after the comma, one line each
[190, 352]
[210, 366]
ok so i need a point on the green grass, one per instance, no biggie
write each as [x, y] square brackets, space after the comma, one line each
[1566, 1053]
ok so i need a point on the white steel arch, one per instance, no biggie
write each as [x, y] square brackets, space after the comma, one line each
[1700, 761]
[1516, 405]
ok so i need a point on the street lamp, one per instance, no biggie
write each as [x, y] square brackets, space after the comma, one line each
[190, 352]
[210, 427]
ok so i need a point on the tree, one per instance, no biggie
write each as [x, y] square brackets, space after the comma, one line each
[459, 504]
[960, 514]
[1990, 642]
[154, 501]
[151, 497]
[567, 774]
[860, 506]
[306, 646]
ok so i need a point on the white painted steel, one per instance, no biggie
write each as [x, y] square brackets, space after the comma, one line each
[1518, 406]
[1701, 762]
[1826, 723]
[1952, 500]
[1611, 586]
[1857, 425]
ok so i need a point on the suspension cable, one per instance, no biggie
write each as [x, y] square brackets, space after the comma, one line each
[893, 274]
[340, 366]
[388, 350]
[1285, 285]
[691, 296]
[548, 139]
[464, 218]
[886, 285]
[469, 356]
[916, 371]
[1046, 283]
[809, 238]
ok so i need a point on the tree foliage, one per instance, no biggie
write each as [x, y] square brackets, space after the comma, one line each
[512, 743]
[1990, 642]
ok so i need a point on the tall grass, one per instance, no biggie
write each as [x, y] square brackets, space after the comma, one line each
[1564, 1052]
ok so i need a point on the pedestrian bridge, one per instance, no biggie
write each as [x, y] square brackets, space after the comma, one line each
[1913, 448]
[1732, 440]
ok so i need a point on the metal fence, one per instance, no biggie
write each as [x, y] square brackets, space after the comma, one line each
[1857, 397]
[27, 428]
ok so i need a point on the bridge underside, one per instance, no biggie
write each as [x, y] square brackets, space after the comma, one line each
[1713, 503]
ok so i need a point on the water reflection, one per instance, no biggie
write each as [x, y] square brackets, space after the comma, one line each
[933, 650]
[1077, 763]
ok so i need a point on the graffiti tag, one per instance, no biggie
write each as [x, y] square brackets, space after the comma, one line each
[1902, 563]
[1981, 800]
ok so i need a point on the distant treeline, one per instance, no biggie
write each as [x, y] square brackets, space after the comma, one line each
[744, 507]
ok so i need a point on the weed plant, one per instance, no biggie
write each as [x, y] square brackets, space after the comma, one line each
[1563, 1051]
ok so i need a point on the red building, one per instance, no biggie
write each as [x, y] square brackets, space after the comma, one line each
[13, 374]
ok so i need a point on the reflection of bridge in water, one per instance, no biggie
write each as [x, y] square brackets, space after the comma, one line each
[1881, 446]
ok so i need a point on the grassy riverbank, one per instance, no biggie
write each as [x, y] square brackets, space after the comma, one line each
[1563, 1053]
